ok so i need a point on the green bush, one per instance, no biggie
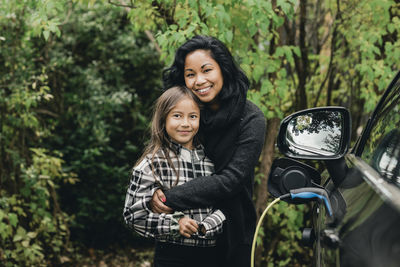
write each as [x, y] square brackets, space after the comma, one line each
[33, 228]
[281, 235]
[105, 77]
[70, 106]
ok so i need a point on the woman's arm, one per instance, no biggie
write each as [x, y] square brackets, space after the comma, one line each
[210, 190]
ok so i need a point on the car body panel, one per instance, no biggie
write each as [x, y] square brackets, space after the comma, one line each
[369, 232]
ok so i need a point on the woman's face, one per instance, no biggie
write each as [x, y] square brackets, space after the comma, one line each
[203, 76]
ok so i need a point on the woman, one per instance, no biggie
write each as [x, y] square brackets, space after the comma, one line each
[232, 131]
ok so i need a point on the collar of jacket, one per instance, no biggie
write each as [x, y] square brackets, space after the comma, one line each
[195, 155]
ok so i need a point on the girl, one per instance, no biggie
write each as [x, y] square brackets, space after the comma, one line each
[232, 131]
[172, 158]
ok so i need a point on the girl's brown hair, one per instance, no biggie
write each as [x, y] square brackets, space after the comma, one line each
[159, 139]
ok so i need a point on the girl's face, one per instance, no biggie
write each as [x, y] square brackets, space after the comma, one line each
[203, 76]
[182, 122]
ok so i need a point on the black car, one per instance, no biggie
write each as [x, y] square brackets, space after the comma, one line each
[356, 220]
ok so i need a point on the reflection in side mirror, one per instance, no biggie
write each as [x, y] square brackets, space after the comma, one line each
[320, 133]
[316, 133]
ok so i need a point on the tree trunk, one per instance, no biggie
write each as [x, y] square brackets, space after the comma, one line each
[302, 64]
[267, 156]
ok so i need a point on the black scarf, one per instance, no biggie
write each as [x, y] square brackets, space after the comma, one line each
[219, 129]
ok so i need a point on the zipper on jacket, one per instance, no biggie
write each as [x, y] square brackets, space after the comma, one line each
[193, 168]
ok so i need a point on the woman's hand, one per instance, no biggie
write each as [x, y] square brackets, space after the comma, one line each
[157, 203]
[187, 226]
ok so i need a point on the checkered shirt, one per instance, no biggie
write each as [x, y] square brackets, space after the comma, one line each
[165, 227]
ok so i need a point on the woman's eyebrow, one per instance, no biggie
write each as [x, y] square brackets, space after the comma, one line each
[205, 65]
[202, 67]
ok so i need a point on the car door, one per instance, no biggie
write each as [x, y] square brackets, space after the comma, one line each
[366, 228]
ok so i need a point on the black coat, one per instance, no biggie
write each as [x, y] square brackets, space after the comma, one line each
[231, 189]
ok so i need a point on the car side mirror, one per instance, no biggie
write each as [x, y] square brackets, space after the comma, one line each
[318, 133]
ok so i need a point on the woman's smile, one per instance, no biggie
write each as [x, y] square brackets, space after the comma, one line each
[204, 90]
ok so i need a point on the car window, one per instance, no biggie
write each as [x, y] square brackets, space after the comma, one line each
[382, 149]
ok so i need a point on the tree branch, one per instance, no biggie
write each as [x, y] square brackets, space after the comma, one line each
[47, 112]
[301, 63]
[150, 36]
[131, 5]
[68, 15]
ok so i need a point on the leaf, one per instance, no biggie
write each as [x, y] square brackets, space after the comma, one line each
[266, 87]
[13, 219]
[25, 243]
[257, 72]
[17, 238]
[252, 29]
[32, 234]
[58, 32]
[279, 52]
[228, 36]
[296, 50]
[46, 34]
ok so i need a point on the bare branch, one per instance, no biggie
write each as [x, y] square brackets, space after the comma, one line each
[47, 112]
[150, 36]
[68, 14]
[131, 5]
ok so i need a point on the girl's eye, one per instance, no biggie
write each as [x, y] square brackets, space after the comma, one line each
[207, 70]
[176, 115]
[193, 116]
[189, 75]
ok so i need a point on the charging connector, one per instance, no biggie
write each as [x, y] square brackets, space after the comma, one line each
[313, 193]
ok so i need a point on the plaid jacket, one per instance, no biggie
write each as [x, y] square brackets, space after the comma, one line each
[165, 227]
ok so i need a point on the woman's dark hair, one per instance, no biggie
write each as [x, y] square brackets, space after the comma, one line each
[235, 81]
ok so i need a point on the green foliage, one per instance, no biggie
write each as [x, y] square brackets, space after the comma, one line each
[34, 231]
[369, 48]
[106, 78]
[248, 28]
[76, 105]
[282, 234]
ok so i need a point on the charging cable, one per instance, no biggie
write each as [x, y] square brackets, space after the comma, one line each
[302, 193]
[253, 247]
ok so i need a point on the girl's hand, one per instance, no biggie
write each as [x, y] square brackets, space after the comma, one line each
[187, 226]
[157, 203]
